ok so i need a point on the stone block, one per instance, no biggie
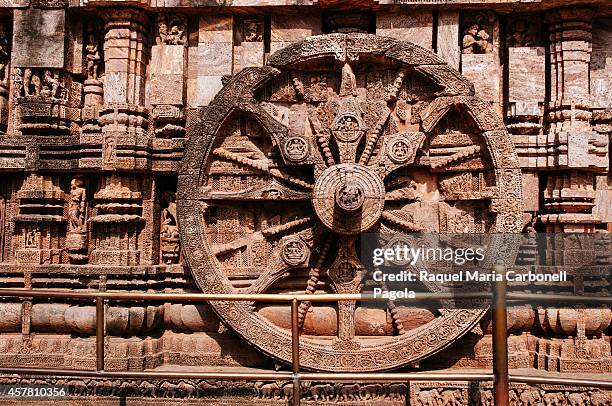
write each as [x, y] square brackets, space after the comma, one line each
[115, 87]
[201, 90]
[601, 64]
[531, 190]
[482, 70]
[210, 59]
[291, 28]
[215, 28]
[167, 89]
[410, 25]
[248, 54]
[167, 59]
[526, 78]
[448, 37]
[38, 38]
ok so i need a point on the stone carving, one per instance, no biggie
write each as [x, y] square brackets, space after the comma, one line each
[524, 32]
[347, 156]
[41, 83]
[475, 40]
[170, 245]
[337, 136]
[252, 30]
[171, 30]
[92, 52]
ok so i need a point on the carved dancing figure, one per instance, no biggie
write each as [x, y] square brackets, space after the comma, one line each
[93, 54]
[27, 82]
[78, 200]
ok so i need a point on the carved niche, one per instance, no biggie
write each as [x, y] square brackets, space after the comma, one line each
[339, 135]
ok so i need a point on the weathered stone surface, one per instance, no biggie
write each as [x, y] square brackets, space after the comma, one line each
[413, 26]
[39, 37]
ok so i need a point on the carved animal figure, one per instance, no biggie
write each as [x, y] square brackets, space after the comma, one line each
[349, 392]
[370, 392]
[322, 392]
[530, 397]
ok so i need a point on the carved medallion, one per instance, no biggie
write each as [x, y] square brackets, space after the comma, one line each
[281, 207]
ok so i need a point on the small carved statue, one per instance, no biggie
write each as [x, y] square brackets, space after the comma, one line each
[52, 85]
[169, 229]
[253, 31]
[476, 41]
[522, 35]
[17, 82]
[78, 200]
[92, 53]
[30, 238]
[172, 33]
[27, 82]
[5, 55]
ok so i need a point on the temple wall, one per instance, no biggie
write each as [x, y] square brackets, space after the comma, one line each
[99, 98]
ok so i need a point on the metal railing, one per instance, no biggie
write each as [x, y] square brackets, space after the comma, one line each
[500, 375]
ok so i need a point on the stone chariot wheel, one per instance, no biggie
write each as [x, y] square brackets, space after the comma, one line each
[340, 135]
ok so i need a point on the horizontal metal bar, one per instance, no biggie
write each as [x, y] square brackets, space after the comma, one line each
[237, 376]
[559, 299]
[595, 383]
[394, 376]
[259, 297]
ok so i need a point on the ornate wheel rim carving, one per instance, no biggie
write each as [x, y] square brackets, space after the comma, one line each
[349, 142]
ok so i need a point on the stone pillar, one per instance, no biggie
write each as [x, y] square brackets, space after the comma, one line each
[93, 89]
[570, 39]
[125, 60]
[526, 96]
[168, 62]
[210, 60]
[570, 195]
[406, 25]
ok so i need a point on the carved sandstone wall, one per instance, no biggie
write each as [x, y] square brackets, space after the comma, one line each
[172, 147]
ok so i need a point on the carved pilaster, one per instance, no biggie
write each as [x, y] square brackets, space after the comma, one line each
[126, 53]
[40, 222]
[570, 37]
[117, 222]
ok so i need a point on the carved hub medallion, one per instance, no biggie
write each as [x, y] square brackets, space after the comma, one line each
[340, 135]
[348, 198]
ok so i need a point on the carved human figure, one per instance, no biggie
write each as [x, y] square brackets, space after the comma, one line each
[476, 41]
[30, 238]
[522, 35]
[172, 33]
[78, 200]
[18, 82]
[162, 32]
[169, 228]
[27, 82]
[252, 31]
[92, 53]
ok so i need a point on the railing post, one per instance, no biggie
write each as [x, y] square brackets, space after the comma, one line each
[500, 341]
[295, 351]
[100, 318]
